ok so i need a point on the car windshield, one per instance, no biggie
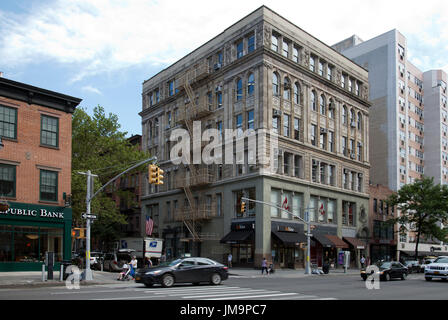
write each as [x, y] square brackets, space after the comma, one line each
[385, 265]
[441, 260]
[170, 263]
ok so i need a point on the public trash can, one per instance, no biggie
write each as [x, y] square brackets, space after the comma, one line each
[326, 268]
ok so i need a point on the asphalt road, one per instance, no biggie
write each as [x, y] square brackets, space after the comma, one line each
[255, 287]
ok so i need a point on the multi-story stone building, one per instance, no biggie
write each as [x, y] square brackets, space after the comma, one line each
[35, 175]
[261, 73]
[408, 122]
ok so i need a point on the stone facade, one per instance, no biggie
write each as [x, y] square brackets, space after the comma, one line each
[259, 76]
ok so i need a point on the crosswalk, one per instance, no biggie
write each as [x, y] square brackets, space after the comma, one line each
[221, 292]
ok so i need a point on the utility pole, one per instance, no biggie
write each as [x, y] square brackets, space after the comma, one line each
[89, 197]
[308, 224]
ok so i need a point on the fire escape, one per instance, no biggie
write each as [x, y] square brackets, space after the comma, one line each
[193, 213]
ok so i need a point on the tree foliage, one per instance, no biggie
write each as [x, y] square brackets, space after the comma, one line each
[99, 146]
[423, 208]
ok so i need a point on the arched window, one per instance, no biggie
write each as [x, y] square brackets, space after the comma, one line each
[344, 115]
[250, 84]
[313, 101]
[352, 117]
[296, 93]
[323, 107]
[331, 108]
[239, 90]
[287, 89]
[359, 121]
[275, 90]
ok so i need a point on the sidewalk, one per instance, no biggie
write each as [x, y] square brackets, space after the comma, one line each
[33, 279]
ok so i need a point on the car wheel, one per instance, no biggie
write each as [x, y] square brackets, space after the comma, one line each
[403, 276]
[215, 279]
[428, 278]
[387, 277]
[167, 281]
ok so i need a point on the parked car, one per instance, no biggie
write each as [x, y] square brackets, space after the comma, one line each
[413, 266]
[114, 261]
[437, 269]
[426, 261]
[388, 270]
[185, 270]
[96, 259]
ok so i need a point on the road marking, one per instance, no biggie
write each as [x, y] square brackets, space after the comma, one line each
[257, 296]
[325, 299]
[210, 291]
[298, 298]
[228, 294]
[164, 290]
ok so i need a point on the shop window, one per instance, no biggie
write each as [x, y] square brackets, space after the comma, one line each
[48, 185]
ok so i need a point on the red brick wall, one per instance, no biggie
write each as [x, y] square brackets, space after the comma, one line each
[26, 150]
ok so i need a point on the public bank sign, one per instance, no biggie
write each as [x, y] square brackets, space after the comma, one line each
[42, 213]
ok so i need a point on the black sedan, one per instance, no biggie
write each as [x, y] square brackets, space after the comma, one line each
[186, 270]
[387, 271]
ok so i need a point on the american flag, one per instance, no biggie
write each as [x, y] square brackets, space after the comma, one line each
[149, 225]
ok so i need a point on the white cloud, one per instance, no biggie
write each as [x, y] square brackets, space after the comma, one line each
[101, 36]
[91, 89]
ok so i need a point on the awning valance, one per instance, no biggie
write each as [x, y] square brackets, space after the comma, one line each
[237, 236]
[290, 238]
[355, 242]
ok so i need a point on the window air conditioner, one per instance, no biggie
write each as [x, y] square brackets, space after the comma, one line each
[323, 130]
[218, 89]
[217, 66]
[315, 163]
[276, 113]
[353, 124]
[352, 156]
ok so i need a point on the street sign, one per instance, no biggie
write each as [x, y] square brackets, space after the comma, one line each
[90, 216]
[308, 234]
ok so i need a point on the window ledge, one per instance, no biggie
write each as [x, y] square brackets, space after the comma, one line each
[49, 147]
[49, 202]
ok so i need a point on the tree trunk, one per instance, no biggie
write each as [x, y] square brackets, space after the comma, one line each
[417, 242]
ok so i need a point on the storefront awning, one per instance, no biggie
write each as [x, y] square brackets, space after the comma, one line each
[290, 238]
[355, 242]
[327, 240]
[237, 236]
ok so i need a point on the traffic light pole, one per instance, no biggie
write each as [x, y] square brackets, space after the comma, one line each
[89, 197]
[307, 222]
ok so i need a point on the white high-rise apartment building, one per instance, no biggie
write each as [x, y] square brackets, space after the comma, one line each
[408, 118]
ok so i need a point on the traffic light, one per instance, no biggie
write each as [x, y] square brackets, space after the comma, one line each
[79, 233]
[243, 207]
[152, 174]
[159, 176]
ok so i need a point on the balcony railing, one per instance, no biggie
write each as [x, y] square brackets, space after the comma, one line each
[203, 211]
[200, 177]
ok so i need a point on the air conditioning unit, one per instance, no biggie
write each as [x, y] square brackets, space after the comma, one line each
[360, 175]
[186, 101]
[315, 163]
[218, 89]
[352, 155]
[276, 113]
[346, 171]
[360, 144]
[330, 106]
[217, 66]
[323, 130]
[353, 124]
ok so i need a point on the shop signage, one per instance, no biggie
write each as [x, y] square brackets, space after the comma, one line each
[360, 247]
[42, 213]
[242, 226]
[435, 249]
[285, 229]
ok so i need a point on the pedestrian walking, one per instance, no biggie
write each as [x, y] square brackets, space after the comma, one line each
[264, 266]
[163, 257]
[229, 260]
[148, 262]
[363, 262]
[133, 265]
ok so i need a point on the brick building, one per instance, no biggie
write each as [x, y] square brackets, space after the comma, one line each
[35, 174]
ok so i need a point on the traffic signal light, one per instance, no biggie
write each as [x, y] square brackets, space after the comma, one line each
[79, 233]
[243, 207]
[159, 176]
[152, 174]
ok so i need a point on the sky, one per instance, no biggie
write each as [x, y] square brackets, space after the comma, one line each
[102, 50]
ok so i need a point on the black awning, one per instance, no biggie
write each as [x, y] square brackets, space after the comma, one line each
[237, 236]
[323, 240]
[289, 238]
[423, 253]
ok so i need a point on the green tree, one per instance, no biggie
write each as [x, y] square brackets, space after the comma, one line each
[423, 207]
[99, 146]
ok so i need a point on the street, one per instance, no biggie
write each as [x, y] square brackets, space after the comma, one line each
[248, 287]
